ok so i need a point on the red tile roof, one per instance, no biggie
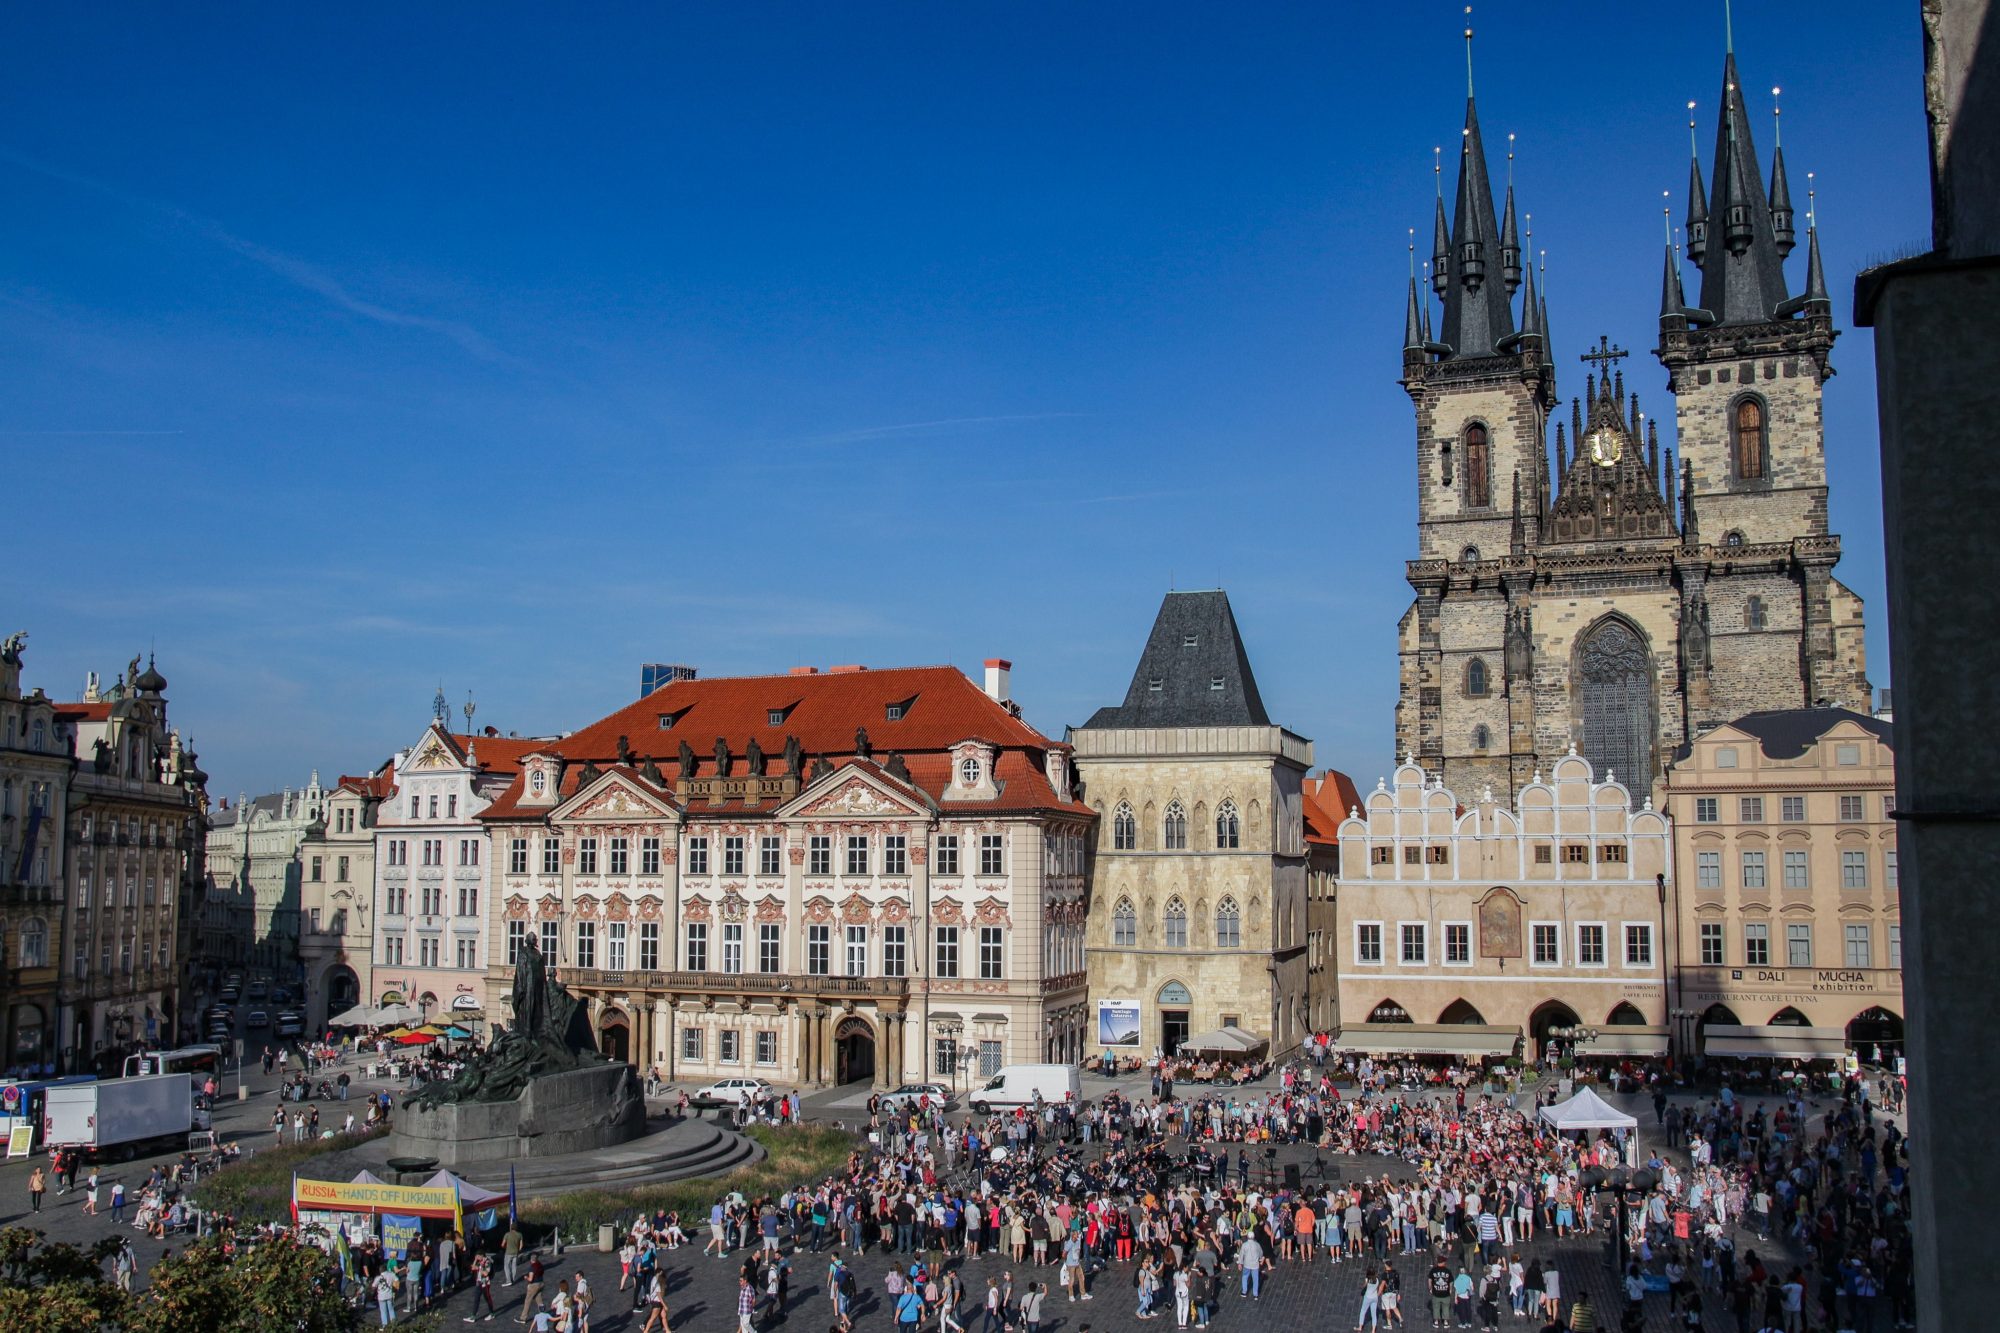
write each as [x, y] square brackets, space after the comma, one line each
[98, 710]
[941, 708]
[378, 785]
[500, 754]
[1328, 798]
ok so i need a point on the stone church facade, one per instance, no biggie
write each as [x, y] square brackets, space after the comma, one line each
[1607, 594]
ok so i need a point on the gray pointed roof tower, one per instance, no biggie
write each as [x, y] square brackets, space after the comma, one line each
[1742, 271]
[1477, 313]
[1194, 671]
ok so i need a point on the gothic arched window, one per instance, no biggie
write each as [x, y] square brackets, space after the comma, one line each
[1176, 924]
[1476, 683]
[1124, 924]
[1469, 556]
[1481, 737]
[1228, 829]
[1478, 467]
[1754, 616]
[1124, 829]
[1616, 705]
[1228, 925]
[1174, 827]
[1747, 439]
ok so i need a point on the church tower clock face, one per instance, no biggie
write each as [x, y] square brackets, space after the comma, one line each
[1606, 448]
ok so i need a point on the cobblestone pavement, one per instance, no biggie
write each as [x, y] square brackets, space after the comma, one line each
[702, 1290]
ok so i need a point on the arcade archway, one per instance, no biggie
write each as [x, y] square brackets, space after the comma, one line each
[853, 1051]
[1550, 1015]
[1876, 1036]
[614, 1035]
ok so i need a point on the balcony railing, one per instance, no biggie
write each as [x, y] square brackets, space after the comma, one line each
[739, 983]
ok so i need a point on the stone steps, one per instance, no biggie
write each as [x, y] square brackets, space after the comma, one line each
[680, 1151]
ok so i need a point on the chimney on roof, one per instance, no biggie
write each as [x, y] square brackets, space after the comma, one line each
[847, 670]
[803, 671]
[999, 673]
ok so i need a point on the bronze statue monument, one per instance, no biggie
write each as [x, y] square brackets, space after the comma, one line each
[549, 1035]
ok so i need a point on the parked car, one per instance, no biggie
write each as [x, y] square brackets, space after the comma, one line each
[258, 1019]
[911, 1096]
[730, 1092]
[290, 1024]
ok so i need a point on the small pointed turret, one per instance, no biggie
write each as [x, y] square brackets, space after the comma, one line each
[1817, 302]
[1510, 246]
[1413, 323]
[1673, 303]
[1562, 459]
[1781, 205]
[1531, 313]
[1440, 249]
[1697, 215]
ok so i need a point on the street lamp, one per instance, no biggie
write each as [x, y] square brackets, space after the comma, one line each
[1618, 1181]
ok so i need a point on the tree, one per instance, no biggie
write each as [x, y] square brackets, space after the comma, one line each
[51, 1287]
[282, 1283]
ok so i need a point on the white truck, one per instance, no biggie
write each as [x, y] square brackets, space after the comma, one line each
[1018, 1085]
[121, 1117]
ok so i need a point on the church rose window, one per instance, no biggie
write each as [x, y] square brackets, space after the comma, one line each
[1617, 698]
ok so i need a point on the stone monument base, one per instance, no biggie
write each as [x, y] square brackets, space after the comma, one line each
[569, 1112]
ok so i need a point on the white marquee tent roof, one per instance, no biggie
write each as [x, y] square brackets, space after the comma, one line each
[1587, 1110]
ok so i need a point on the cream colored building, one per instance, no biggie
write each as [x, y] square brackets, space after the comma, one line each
[1470, 925]
[1204, 881]
[1789, 939]
[35, 762]
[336, 904]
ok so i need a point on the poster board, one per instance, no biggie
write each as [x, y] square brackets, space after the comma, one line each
[1118, 1022]
[20, 1140]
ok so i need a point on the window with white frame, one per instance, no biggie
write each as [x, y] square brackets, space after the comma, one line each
[551, 856]
[1590, 945]
[770, 947]
[1124, 829]
[1458, 943]
[1751, 809]
[1708, 870]
[1854, 870]
[614, 945]
[586, 944]
[1545, 944]
[586, 856]
[1176, 925]
[946, 962]
[1124, 924]
[819, 855]
[895, 951]
[944, 1056]
[517, 939]
[649, 946]
[857, 854]
[621, 856]
[1638, 944]
[1889, 875]
[1896, 945]
[767, 1047]
[991, 966]
[1798, 870]
[517, 856]
[1228, 925]
[694, 951]
[691, 1044]
[1853, 809]
[770, 856]
[649, 856]
[989, 854]
[697, 856]
[1756, 944]
[732, 854]
[1711, 943]
[1753, 870]
[1792, 809]
[819, 950]
[1798, 944]
[946, 860]
[1368, 942]
[857, 951]
[1415, 936]
[895, 854]
[729, 1047]
[1860, 950]
[732, 947]
[1705, 810]
[467, 954]
[1228, 828]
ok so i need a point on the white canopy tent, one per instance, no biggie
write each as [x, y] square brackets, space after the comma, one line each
[360, 1016]
[1587, 1110]
[389, 1015]
[1225, 1041]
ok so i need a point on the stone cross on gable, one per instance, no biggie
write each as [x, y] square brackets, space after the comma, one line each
[1604, 355]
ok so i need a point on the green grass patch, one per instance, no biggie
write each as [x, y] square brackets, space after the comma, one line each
[794, 1155]
[259, 1187]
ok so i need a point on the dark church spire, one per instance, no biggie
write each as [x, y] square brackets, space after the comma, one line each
[1413, 320]
[1510, 232]
[1816, 301]
[1477, 313]
[1781, 191]
[1743, 279]
[1697, 217]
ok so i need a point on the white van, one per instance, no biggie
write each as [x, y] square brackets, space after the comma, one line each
[1017, 1085]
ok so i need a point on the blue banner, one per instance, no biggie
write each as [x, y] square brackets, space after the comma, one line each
[398, 1230]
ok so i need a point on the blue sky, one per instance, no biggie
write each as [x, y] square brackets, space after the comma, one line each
[350, 350]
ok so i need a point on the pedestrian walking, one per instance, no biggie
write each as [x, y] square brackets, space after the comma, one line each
[38, 1185]
[482, 1286]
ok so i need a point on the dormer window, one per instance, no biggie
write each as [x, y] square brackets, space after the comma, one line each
[538, 781]
[1190, 640]
[1155, 684]
[1215, 683]
[968, 773]
[775, 717]
[666, 721]
[894, 712]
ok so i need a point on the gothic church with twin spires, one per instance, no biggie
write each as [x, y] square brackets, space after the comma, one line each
[1611, 596]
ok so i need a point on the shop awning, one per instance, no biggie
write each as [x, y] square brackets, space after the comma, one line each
[1226, 1041]
[1776, 1042]
[1626, 1040]
[1428, 1039]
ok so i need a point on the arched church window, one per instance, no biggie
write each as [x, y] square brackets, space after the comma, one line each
[1732, 539]
[1615, 673]
[1470, 555]
[1176, 923]
[1228, 828]
[1482, 737]
[1124, 829]
[1747, 446]
[1228, 925]
[1478, 467]
[1175, 828]
[1476, 683]
[1124, 924]
[1754, 616]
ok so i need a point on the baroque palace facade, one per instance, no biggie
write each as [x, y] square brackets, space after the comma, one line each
[815, 877]
[1617, 600]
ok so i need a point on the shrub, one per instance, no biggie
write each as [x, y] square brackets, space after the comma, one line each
[794, 1155]
[259, 1187]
